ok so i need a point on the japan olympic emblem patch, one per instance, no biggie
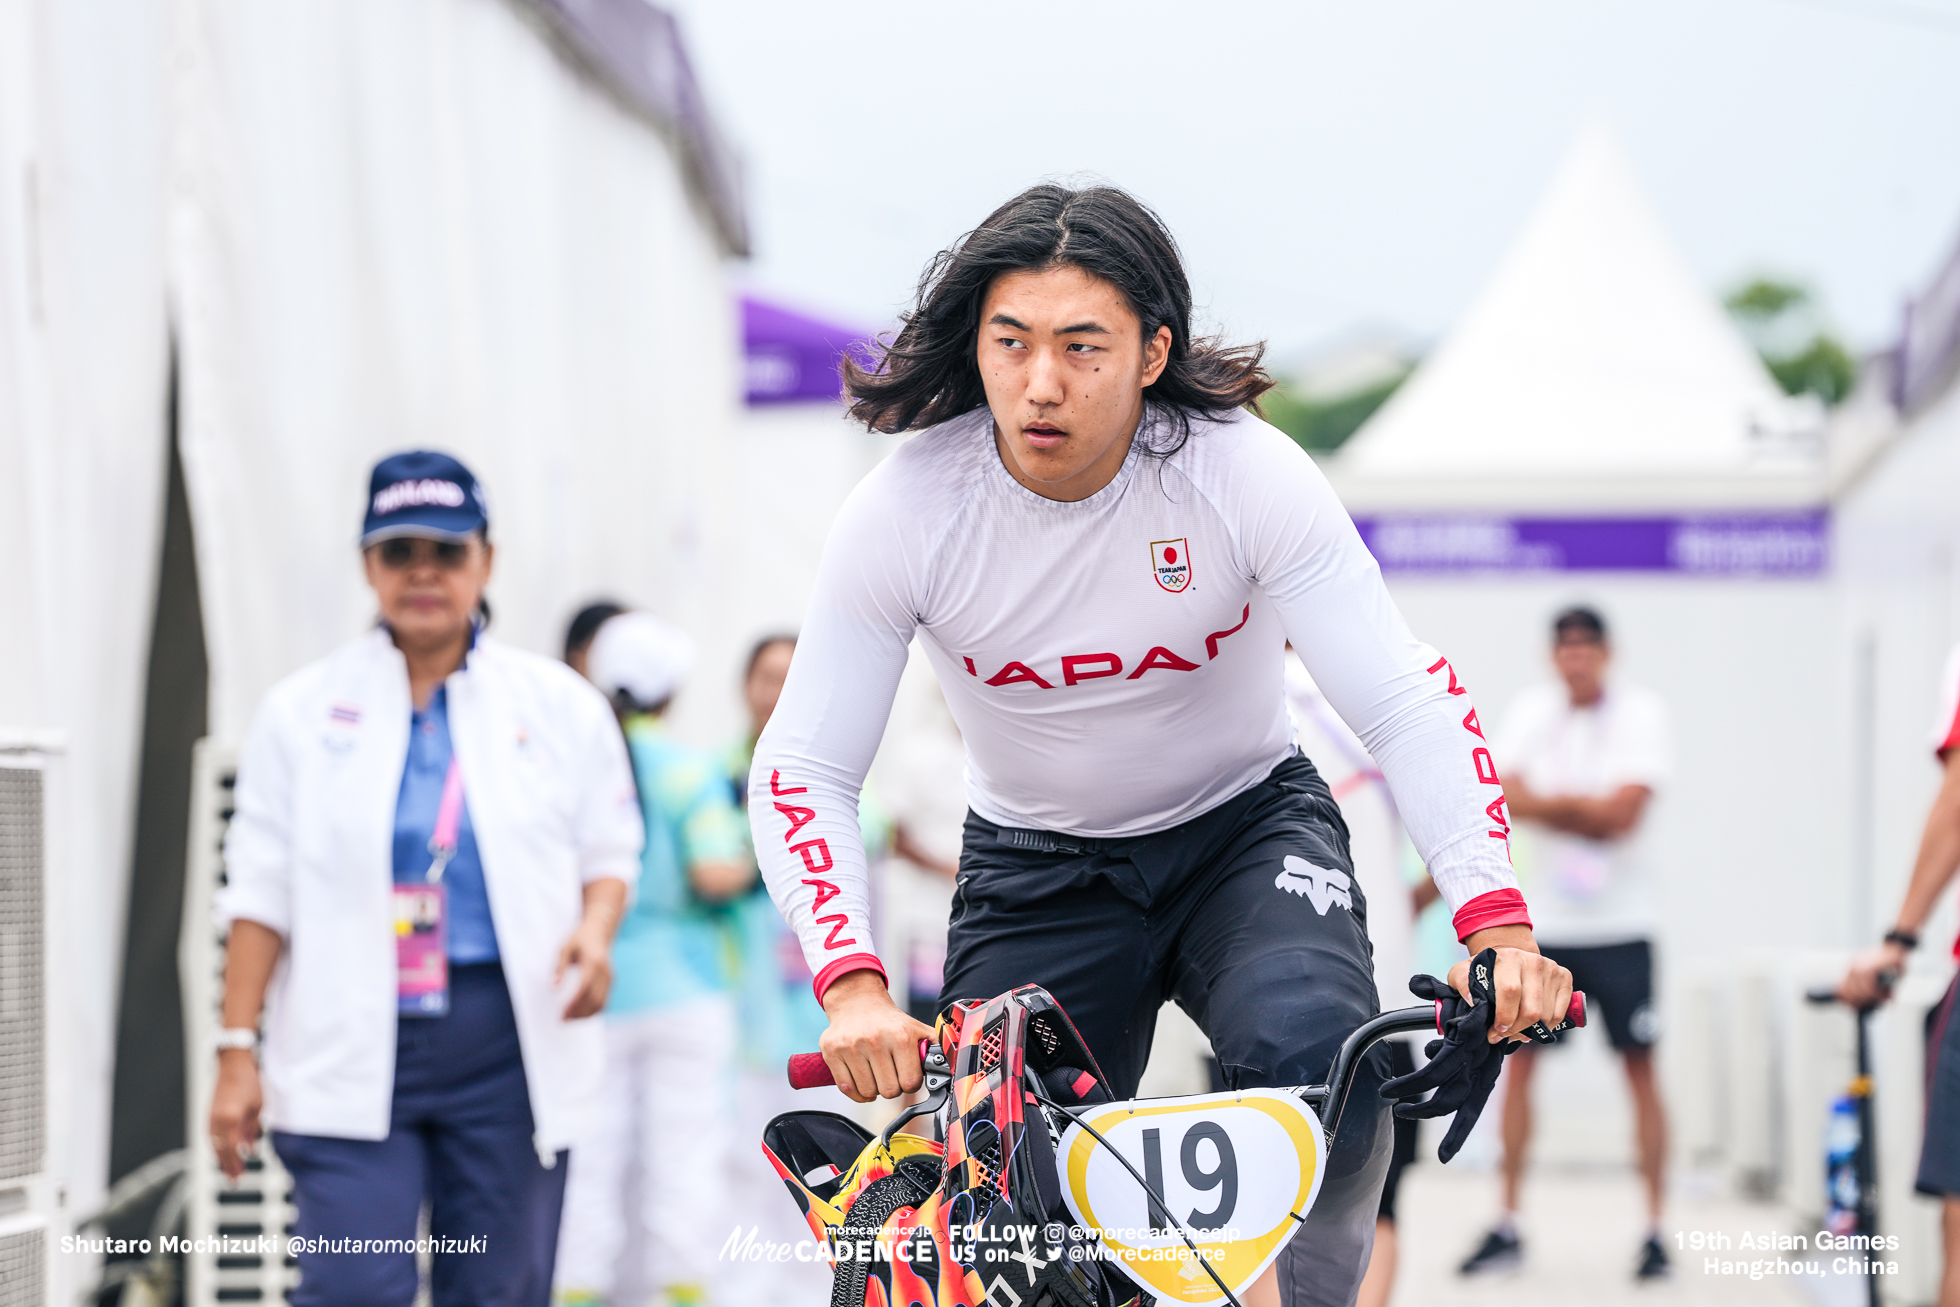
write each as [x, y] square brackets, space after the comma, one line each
[1170, 563]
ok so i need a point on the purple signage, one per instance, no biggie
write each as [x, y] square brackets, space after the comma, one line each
[790, 356]
[1728, 544]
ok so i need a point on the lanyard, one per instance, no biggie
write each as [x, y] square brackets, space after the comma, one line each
[442, 844]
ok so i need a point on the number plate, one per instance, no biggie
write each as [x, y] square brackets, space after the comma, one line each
[1234, 1168]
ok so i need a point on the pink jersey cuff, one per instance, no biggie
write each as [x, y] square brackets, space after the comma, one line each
[855, 962]
[1500, 907]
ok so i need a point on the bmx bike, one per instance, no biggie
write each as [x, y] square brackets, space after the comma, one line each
[1247, 1169]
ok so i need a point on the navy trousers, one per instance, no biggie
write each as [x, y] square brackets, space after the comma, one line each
[461, 1139]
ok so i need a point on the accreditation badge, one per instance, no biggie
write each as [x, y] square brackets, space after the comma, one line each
[1581, 869]
[422, 950]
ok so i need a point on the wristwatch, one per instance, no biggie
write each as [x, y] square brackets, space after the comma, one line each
[235, 1037]
[1905, 939]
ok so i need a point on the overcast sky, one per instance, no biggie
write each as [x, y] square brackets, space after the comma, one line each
[1329, 167]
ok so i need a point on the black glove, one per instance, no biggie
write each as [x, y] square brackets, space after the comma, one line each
[1463, 1065]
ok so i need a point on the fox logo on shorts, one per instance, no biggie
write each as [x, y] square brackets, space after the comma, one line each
[1321, 886]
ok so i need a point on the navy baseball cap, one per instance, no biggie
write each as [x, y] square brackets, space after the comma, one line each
[423, 493]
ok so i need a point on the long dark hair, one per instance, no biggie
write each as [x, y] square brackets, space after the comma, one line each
[928, 373]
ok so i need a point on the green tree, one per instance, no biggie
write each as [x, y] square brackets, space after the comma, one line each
[1322, 422]
[1781, 320]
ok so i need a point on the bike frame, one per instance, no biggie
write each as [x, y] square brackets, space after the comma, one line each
[1329, 1101]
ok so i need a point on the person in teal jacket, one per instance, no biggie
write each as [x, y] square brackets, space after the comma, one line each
[778, 1016]
[671, 1022]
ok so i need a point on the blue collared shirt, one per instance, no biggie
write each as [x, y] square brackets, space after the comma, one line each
[472, 934]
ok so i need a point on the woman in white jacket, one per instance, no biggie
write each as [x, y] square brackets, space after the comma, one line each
[434, 839]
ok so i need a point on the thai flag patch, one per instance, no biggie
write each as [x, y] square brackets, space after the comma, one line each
[345, 712]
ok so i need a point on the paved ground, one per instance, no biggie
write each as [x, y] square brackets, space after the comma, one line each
[1582, 1229]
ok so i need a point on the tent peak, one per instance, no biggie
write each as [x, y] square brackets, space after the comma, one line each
[1593, 353]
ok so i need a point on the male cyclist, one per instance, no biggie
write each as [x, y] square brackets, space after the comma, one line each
[1104, 556]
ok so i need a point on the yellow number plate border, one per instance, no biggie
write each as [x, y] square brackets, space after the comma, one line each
[1238, 1261]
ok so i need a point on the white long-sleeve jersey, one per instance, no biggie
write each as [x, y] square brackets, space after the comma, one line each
[1115, 663]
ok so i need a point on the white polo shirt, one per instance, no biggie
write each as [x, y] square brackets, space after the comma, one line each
[1585, 891]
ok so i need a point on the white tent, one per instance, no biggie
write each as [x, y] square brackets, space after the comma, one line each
[1593, 372]
[298, 237]
[1595, 429]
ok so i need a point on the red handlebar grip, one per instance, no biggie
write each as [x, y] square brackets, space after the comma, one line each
[809, 1071]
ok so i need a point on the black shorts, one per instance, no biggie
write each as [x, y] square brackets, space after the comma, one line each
[1249, 918]
[1618, 980]
[1939, 1156]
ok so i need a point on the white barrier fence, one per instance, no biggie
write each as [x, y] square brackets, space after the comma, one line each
[223, 1219]
[1751, 1069]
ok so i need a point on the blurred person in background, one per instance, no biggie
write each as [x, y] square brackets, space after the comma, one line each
[762, 686]
[1581, 758]
[584, 625]
[915, 813]
[662, 1129]
[780, 1013]
[778, 1017]
[1870, 979]
[921, 776]
[1375, 841]
[434, 839]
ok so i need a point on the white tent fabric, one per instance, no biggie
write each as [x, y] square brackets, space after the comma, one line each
[404, 223]
[371, 225]
[1592, 372]
[83, 361]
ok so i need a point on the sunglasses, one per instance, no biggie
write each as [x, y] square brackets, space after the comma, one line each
[404, 552]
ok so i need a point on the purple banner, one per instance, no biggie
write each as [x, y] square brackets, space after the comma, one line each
[791, 356]
[1731, 544]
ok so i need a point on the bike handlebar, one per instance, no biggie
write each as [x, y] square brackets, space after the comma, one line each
[1330, 1099]
[1575, 1014]
[810, 1071]
[1822, 994]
